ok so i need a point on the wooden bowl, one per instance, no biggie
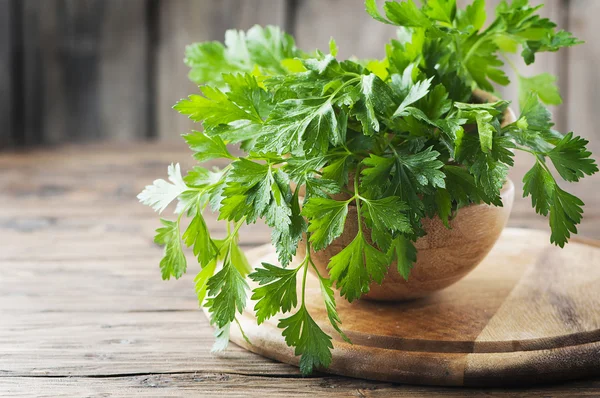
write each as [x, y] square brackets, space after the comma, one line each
[444, 256]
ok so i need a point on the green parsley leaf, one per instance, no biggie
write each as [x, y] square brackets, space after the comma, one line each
[248, 191]
[213, 109]
[540, 185]
[406, 13]
[205, 147]
[546, 196]
[197, 235]
[326, 220]
[208, 61]
[424, 167]
[173, 262]
[356, 266]
[571, 158]
[300, 123]
[375, 99]
[441, 10]
[227, 294]
[443, 202]
[161, 193]
[301, 331]
[277, 291]
[245, 92]
[201, 280]
[330, 305]
[403, 251]
[285, 219]
[565, 213]
[266, 48]
[543, 85]
[538, 117]
[476, 15]
[384, 217]
[337, 169]
[418, 91]
[269, 46]
[371, 8]
[486, 130]
[551, 42]
[376, 176]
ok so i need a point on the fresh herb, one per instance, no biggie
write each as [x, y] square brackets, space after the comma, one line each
[400, 139]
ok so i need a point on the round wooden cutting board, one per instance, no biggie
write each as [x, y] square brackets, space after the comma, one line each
[529, 313]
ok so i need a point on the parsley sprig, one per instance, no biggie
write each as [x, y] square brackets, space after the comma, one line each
[386, 142]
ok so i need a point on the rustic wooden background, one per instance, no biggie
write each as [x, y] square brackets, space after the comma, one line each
[81, 70]
[82, 308]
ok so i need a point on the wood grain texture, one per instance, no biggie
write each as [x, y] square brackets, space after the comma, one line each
[582, 73]
[83, 310]
[185, 22]
[84, 70]
[356, 32]
[6, 93]
[527, 314]
[265, 385]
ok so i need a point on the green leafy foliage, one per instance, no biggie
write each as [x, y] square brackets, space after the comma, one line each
[205, 147]
[330, 305]
[173, 262]
[572, 159]
[327, 218]
[356, 266]
[546, 196]
[197, 236]
[266, 48]
[377, 145]
[403, 251]
[385, 217]
[161, 193]
[277, 291]
[302, 332]
[542, 85]
[227, 290]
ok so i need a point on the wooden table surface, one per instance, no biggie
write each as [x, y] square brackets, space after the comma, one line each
[83, 311]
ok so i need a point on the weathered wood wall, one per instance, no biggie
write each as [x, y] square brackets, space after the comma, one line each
[77, 70]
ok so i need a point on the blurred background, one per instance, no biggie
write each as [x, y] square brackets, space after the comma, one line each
[80, 71]
[84, 70]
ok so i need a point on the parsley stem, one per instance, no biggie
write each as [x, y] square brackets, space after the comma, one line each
[342, 86]
[526, 150]
[539, 158]
[511, 64]
[357, 198]
[307, 260]
[238, 226]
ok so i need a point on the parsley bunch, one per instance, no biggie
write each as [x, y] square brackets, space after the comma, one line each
[400, 139]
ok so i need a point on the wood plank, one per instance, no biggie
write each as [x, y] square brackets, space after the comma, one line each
[212, 384]
[188, 21]
[108, 343]
[6, 43]
[82, 305]
[526, 315]
[356, 33]
[124, 71]
[583, 83]
[93, 81]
